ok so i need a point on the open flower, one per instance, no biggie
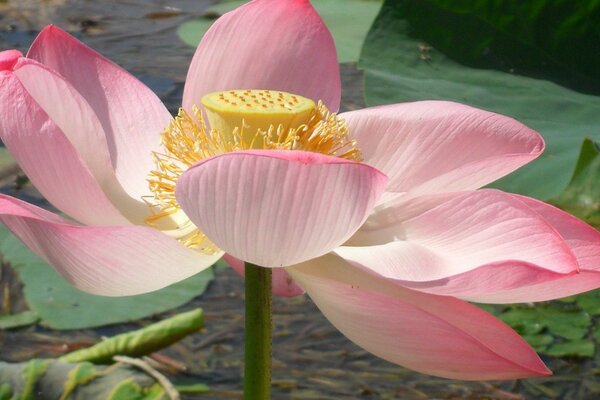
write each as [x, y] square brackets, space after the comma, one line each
[375, 213]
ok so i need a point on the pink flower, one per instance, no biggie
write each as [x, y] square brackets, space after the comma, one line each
[389, 248]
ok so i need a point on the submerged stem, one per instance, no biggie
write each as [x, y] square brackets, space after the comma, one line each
[257, 367]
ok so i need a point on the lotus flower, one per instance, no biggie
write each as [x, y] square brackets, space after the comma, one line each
[377, 213]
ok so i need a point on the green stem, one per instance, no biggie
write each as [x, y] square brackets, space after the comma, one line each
[257, 367]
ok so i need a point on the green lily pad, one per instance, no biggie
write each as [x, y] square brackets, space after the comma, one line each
[590, 302]
[573, 348]
[402, 66]
[525, 321]
[568, 324]
[348, 20]
[61, 306]
[582, 197]
[548, 39]
[550, 327]
[539, 342]
[19, 320]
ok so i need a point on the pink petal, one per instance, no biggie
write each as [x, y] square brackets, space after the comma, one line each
[45, 154]
[283, 284]
[132, 116]
[278, 208]
[584, 242]
[267, 44]
[78, 122]
[432, 147]
[478, 243]
[109, 261]
[435, 335]
[8, 58]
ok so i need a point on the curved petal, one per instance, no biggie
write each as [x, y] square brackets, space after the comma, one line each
[75, 118]
[584, 242]
[8, 58]
[433, 147]
[283, 284]
[435, 335]
[131, 115]
[278, 208]
[50, 161]
[109, 261]
[500, 242]
[267, 44]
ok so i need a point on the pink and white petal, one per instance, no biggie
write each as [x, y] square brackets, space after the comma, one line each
[480, 232]
[47, 157]
[267, 44]
[432, 147]
[8, 58]
[75, 118]
[131, 115]
[392, 212]
[435, 335]
[109, 261]
[278, 208]
[283, 284]
[584, 242]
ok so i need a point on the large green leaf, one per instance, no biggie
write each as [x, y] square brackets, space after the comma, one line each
[550, 39]
[402, 67]
[61, 306]
[348, 20]
[582, 196]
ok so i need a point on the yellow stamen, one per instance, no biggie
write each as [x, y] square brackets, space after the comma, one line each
[239, 120]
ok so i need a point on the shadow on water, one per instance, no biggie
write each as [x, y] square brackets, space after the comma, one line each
[311, 359]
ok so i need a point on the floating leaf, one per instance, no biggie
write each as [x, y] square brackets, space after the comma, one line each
[590, 302]
[61, 306]
[401, 66]
[539, 342]
[348, 20]
[582, 197]
[547, 39]
[573, 348]
[569, 324]
[142, 341]
[525, 321]
[545, 326]
[19, 320]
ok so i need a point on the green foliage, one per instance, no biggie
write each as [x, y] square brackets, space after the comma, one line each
[579, 347]
[569, 327]
[553, 40]
[401, 65]
[192, 388]
[53, 379]
[582, 196]
[141, 342]
[348, 20]
[61, 306]
[5, 391]
[80, 375]
[18, 320]
[75, 376]
[32, 372]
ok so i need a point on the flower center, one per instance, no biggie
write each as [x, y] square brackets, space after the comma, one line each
[256, 110]
[239, 120]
